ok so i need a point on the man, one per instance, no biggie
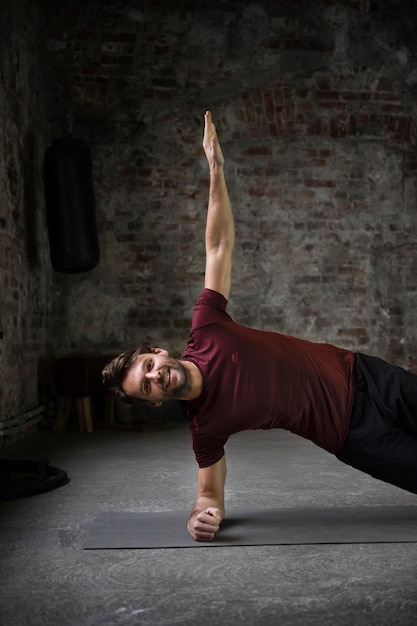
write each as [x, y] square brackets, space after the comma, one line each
[233, 378]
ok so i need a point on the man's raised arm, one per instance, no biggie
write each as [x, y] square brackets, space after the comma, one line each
[220, 229]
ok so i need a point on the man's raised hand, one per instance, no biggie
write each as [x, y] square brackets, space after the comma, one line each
[211, 143]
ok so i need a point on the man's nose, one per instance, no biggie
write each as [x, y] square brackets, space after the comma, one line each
[154, 375]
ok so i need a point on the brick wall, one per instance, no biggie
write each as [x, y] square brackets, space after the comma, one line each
[24, 269]
[316, 110]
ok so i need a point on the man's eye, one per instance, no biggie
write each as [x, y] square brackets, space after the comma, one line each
[149, 366]
[146, 386]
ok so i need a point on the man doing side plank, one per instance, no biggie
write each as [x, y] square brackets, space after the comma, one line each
[232, 378]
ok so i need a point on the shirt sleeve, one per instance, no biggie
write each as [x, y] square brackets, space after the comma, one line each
[210, 307]
[207, 450]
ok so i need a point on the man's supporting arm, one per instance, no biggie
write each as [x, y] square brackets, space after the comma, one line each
[220, 229]
[208, 510]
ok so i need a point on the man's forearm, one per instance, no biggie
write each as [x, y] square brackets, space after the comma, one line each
[220, 229]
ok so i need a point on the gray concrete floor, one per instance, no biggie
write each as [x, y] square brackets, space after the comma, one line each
[47, 578]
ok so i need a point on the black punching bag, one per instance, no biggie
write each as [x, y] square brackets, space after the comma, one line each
[70, 206]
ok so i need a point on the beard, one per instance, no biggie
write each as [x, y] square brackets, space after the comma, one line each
[180, 380]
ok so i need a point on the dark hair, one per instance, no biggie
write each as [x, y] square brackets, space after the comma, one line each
[116, 371]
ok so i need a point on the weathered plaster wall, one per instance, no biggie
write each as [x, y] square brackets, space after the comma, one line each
[24, 266]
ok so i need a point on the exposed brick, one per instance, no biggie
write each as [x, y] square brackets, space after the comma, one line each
[319, 159]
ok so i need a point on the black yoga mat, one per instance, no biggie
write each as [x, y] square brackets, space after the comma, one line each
[260, 527]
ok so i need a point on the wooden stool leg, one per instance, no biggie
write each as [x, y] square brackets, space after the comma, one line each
[81, 416]
[109, 408]
[84, 414]
[63, 414]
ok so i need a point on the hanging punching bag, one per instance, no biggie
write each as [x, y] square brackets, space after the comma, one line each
[70, 206]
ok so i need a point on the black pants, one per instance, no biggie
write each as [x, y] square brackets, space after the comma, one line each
[382, 437]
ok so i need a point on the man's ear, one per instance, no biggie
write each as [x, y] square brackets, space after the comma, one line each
[160, 351]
